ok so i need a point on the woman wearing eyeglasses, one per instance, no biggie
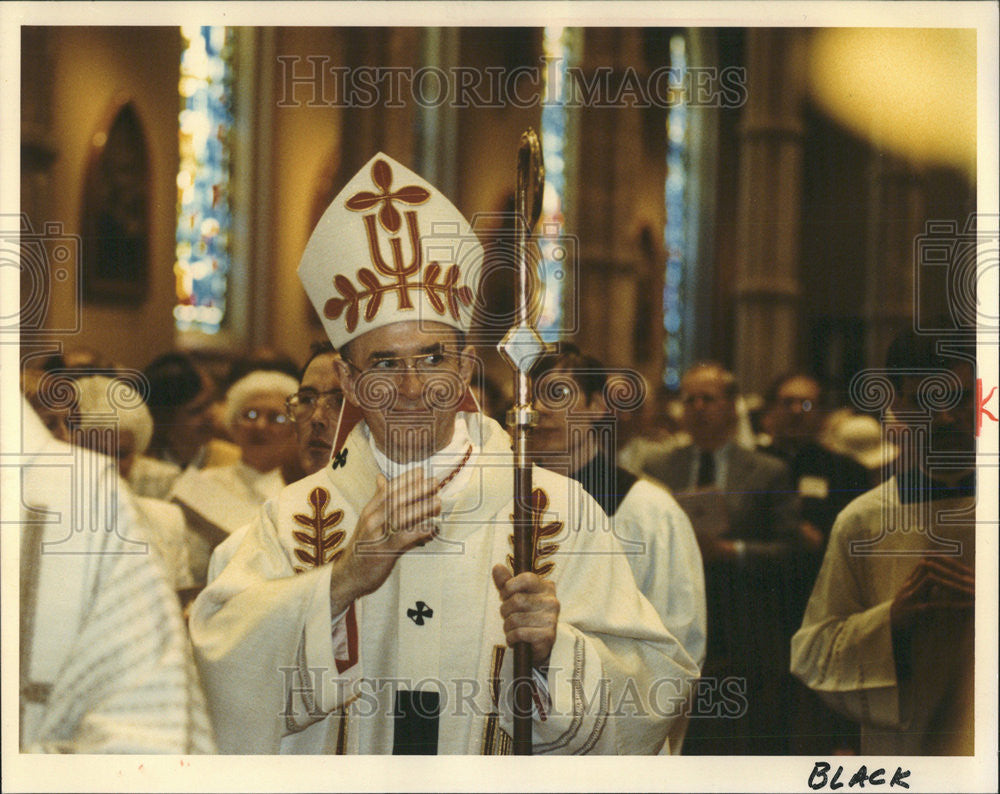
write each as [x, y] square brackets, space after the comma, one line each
[219, 500]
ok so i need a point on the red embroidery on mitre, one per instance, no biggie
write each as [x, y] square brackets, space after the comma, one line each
[388, 215]
[445, 296]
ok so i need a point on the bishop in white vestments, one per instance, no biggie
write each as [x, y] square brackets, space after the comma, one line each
[370, 607]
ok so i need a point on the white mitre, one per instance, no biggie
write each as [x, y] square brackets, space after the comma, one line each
[390, 248]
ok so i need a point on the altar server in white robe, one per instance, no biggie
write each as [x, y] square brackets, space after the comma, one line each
[219, 500]
[105, 663]
[888, 636]
[368, 609]
[575, 435]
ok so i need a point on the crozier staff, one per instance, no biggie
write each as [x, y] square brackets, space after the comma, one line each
[522, 347]
[370, 606]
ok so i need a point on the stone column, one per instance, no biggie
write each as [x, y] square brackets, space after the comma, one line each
[610, 158]
[767, 285]
[368, 129]
[896, 214]
[437, 123]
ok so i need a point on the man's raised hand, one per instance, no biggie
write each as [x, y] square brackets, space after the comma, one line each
[398, 517]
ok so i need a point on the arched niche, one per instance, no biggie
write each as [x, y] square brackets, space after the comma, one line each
[116, 203]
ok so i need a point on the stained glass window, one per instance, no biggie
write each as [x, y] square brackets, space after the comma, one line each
[554, 270]
[675, 231]
[203, 218]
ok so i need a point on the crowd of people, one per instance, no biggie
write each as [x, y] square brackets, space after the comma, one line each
[337, 537]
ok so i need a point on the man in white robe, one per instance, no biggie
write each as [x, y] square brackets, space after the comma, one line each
[105, 662]
[888, 636]
[574, 435]
[369, 607]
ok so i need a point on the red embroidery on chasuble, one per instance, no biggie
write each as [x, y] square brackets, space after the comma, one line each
[321, 547]
[445, 297]
[539, 548]
[318, 545]
[496, 741]
[351, 624]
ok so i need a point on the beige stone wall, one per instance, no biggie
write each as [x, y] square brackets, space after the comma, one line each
[89, 70]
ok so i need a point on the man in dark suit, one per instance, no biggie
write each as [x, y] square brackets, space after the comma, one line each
[744, 509]
[761, 508]
[826, 480]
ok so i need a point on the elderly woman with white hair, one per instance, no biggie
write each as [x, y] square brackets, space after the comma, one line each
[110, 417]
[219, 500]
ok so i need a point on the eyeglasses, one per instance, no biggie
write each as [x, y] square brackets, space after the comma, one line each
[252, 416]
[302, 405]
[424, 366]
[790, 403]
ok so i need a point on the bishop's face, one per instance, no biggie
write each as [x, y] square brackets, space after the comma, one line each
[408, 379]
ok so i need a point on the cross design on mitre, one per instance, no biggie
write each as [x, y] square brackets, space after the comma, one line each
[388, 215]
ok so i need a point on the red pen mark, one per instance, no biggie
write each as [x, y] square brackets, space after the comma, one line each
[981, 405]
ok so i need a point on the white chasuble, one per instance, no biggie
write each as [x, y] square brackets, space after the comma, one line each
[281, 672]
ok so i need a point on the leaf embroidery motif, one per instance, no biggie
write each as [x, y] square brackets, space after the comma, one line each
[539, 533]
[321, 545]
[445, 298]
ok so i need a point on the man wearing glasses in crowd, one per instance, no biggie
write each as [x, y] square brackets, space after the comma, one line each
[370, 606]
[315, 407]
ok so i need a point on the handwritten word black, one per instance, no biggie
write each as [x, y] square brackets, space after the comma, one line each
[819, 777]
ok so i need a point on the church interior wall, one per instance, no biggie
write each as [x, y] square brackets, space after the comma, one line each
[307, 170]
[618, 210]
[91, 70]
